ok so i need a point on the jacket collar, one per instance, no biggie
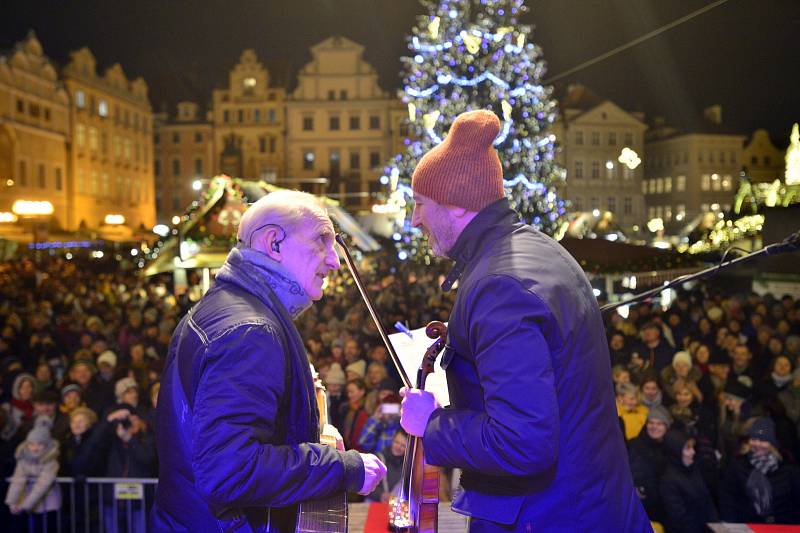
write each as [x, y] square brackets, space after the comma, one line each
[492, 219]
[259, 275]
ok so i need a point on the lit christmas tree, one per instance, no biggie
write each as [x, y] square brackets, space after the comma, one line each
[473, 54]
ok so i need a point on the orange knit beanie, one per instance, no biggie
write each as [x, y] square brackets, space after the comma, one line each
[464, 170]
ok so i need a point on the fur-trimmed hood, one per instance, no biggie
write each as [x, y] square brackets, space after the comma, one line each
[50, 453]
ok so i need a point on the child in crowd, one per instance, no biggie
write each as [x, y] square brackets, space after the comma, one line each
[630, 410]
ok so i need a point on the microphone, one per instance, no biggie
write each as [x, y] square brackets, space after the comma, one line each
[789, 244]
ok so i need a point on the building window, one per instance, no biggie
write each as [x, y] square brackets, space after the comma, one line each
[257, 115]
[33, 110]
[331, 95]
[272, 116]
[578, 203]
[374, 159]
[667, 213]
[156, 138]
[262, 145]
[42, 178]
[176, 167]
[659, 185]
[226, 116]
[609, 170]
[680, 212]
[629, 139]
[343, 94]
[198, 167]
[579, 169]
[198, 137]
[680, 183]
[93, 140]
[767, 160]
[127, 149]
[95, 183]
[106, 184]
[355, 122]
[627, 205]
[716, 183]
[308, 159]
[595, 138]
[59, 184]
[308, 123]
[612, 204]
[579, 137]
[595, 170]
[651, 212]
[80, 99]
[374, 122]
[627, 172]
[333, 123]
[102, 108]
[612, 139]
[644, 186]
[23, 173]
[651, 186]
[20, 106]
[80, 134]
[104, 143]
[157, 167]
[668, 184]
[705, 182]
[81, 181]
[727, 182]
[595, 203]
[754, 160]
[241, 116]
[355, 160]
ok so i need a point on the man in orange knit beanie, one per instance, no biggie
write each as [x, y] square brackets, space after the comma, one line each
[532, 422]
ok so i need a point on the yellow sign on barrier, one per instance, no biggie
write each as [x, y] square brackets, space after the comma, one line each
[128, 491]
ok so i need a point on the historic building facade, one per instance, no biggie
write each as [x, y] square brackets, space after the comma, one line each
[691, 172]
[34, 127]
[111, 150]
[594, 134]
[184, 159]
[338, 125]
[763, 160]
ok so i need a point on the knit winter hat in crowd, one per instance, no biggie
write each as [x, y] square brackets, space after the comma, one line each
[122, 386]
[464, 170]
[335, 375]
[71, 387]
[358, 367]
[661, 414]
[40, 433]
[714, 314]
[736, 389]
[763, 428]
[682, 357]
[108, 357]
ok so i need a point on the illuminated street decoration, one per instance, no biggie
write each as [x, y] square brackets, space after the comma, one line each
[29, 208]
[793, 157]
[629, 158]
[114, 219]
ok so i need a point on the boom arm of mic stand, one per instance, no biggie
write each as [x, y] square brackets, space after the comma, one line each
[791, 243]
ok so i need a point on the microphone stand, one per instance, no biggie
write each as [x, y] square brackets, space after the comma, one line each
[789, 244]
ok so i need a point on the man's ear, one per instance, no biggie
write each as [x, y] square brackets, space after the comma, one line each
[269, 243]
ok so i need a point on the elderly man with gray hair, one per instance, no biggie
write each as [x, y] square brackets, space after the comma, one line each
[238, 424]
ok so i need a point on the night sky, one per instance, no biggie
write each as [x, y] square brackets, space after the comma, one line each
[743, 54]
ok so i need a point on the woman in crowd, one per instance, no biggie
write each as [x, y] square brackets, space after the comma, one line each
[647, 460]
[687, 501]
[353, 414]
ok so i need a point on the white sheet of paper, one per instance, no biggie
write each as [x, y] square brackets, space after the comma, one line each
[410, 351]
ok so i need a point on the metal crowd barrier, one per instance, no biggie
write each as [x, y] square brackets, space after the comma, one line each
[97, 504]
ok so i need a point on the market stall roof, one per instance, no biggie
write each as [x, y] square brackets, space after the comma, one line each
[208, 231]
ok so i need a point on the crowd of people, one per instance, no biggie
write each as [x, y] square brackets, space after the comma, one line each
[708, 390]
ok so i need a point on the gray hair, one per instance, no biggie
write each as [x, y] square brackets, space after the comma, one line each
[284, 208]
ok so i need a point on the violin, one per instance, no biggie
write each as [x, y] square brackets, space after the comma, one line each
[415, 509]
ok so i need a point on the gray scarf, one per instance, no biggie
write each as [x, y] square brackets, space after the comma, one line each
[759, 488]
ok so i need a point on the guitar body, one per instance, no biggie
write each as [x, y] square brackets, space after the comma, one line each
[328, 515]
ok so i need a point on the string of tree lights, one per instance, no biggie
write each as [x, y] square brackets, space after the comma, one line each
[473, 54]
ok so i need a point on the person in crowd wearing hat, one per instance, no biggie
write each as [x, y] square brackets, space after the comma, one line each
[45, 406]
[237, 387]
[71, 398]
[759, 486]
[126, 391]
[653, 350]
[356, 370]
[734, 410]
[33, 486]
[681, 368]
[19, 408]
[647, 460]
[531, 423]
[687, 501]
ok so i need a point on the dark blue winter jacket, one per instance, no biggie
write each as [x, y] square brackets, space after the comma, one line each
[237, 419]
[532, 421]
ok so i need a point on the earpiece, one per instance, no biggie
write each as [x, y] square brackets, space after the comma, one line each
[276, 247]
